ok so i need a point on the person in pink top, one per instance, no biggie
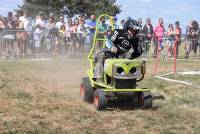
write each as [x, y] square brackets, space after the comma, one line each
[158, 36]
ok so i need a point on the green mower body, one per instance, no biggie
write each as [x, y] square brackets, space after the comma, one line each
[119, 80]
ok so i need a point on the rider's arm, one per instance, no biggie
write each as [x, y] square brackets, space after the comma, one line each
[111, 38]
[110, 46]
[109, 43]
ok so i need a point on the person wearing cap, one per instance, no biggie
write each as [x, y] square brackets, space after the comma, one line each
[122, 43]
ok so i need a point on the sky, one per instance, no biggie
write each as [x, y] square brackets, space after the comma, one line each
[170, 10]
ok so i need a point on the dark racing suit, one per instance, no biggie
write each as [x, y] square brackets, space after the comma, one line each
[127, 47]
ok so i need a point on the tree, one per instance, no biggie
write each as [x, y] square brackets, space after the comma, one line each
[71, 7]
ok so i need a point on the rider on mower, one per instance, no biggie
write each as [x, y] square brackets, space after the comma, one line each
[122, 43]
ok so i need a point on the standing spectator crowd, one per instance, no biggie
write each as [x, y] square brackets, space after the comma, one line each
[62, 36]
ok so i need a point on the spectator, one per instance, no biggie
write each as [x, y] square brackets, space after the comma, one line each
[148, 33]
[9, 36]
[91, 27]
[198, 45]
[109, 31]
[75, 26]
[140, 22]
[62, 40]
[61, 22]
[51, 36]
[81, 28]
[68, 34]
[191, 37]
[158, 36]
[102, 30]
[177, 41]
[115, 22]
[23, 18]
[10, 16]
[122, 24]
[81, 18]
[23, 32]
[51, 22]
[2, 26]
[21, 36]
[170, 39]
[141, 36]
[40, 21]
[37, 35]
[27, 27]
[196, 32]
[11, 23]
[75, 39]
[69, 26]
[81, 31]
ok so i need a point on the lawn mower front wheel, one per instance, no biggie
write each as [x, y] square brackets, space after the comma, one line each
[86, 90]
[100, 100]
[145, 100]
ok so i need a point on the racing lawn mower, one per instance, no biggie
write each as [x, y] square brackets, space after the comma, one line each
[119, 80]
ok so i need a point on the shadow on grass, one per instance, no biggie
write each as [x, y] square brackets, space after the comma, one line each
[131, 104]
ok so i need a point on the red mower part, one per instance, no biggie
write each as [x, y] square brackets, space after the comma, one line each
[141, 100]
[96, 100]
[86, 90]
[82, 90]
[100, 100]
[145, 100]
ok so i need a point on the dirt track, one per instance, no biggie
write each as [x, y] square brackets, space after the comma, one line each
[43, 97]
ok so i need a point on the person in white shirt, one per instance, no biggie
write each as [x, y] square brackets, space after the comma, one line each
[40, 21]
[24, 19]
[61, 22]
[82, 32]
[37, 35]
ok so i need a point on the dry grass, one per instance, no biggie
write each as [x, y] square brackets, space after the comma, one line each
[43, 97]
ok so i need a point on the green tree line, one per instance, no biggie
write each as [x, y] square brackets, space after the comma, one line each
[71, 7]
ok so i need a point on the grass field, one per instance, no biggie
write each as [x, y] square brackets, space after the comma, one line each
[40, 97]
[189, 78]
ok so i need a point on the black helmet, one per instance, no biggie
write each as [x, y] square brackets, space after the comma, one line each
[130, 23]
